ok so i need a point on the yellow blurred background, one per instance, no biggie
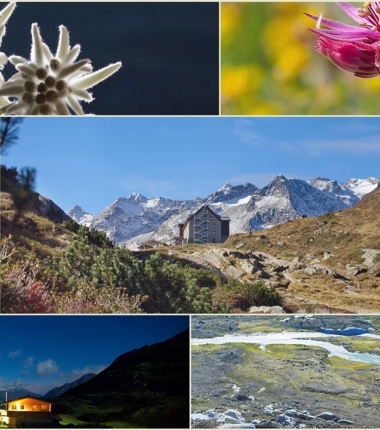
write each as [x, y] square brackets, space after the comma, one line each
[270, 66]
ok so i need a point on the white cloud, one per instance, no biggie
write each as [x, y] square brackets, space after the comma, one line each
[326, 146]
[244, 131]
[47, 367]
[13, 354]
[28, 362]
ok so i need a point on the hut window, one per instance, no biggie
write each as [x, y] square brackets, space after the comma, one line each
[43, 407]
[22, 406]
[14, 406]
[34, 408]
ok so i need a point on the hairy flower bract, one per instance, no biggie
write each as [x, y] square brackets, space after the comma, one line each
[355, 49]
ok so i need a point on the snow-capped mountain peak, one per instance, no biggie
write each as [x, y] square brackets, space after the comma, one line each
[360, 187]
[137, 198]
[134, 219]
[80, 216]
[231, 194]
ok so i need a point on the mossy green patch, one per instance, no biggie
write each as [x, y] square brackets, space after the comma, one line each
[69, 419]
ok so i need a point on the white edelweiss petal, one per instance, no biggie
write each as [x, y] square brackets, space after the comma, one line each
[32, 110]
[13, 89]
[87, 68]
[2, 31]
[16, 59]
[13, 80]
[63, 43]
[82, 94]
[6, 13]
[4, 102]
[70, 69]
[94, 78]
[16, 108]
[48, 55]
[75, 105]
[37, 53]
[61, 108]
[72, 55]
[27, 69]
[3, 58]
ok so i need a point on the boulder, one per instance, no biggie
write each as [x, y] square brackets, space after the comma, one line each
[327, 416]
[266, 310]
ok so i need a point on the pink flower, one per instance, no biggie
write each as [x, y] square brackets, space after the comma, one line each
[355, 49]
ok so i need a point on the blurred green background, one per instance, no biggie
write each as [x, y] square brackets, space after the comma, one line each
[270, 66]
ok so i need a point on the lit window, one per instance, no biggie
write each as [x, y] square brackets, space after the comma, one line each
[34, 408]
[14, 407]
[43, 407]
[22, 406]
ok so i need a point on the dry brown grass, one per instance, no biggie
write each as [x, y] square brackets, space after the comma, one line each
[34, 231]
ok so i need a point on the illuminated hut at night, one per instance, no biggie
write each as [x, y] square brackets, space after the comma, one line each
[27, 411]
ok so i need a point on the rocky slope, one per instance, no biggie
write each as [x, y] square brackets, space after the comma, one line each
[329, 263]
[130, 221]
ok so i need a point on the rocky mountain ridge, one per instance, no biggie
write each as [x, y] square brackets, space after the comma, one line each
[14, 393]
[130, 221]
[57, 391]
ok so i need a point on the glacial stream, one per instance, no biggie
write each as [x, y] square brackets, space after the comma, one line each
[296, 338]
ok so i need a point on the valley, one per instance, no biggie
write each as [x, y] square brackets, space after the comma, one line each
[247, 372]
[327, 263]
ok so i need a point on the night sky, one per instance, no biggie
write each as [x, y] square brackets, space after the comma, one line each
[169, 51]
[42, 352]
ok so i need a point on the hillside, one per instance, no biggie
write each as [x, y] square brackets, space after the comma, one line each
[146, 387]
[39, 225]
[325, 263]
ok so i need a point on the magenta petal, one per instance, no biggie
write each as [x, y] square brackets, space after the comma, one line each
[352, 11]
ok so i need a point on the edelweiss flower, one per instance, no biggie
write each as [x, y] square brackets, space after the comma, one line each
[4, 15]
[355, 49]
[48, 84]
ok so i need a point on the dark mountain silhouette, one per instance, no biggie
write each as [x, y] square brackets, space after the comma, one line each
[57, 391]
[14, 393]
[148, 387]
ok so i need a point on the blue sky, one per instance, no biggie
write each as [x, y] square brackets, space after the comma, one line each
[43, 352]
[91, 161]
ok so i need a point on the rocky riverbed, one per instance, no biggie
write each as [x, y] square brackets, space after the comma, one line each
[283, 386]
